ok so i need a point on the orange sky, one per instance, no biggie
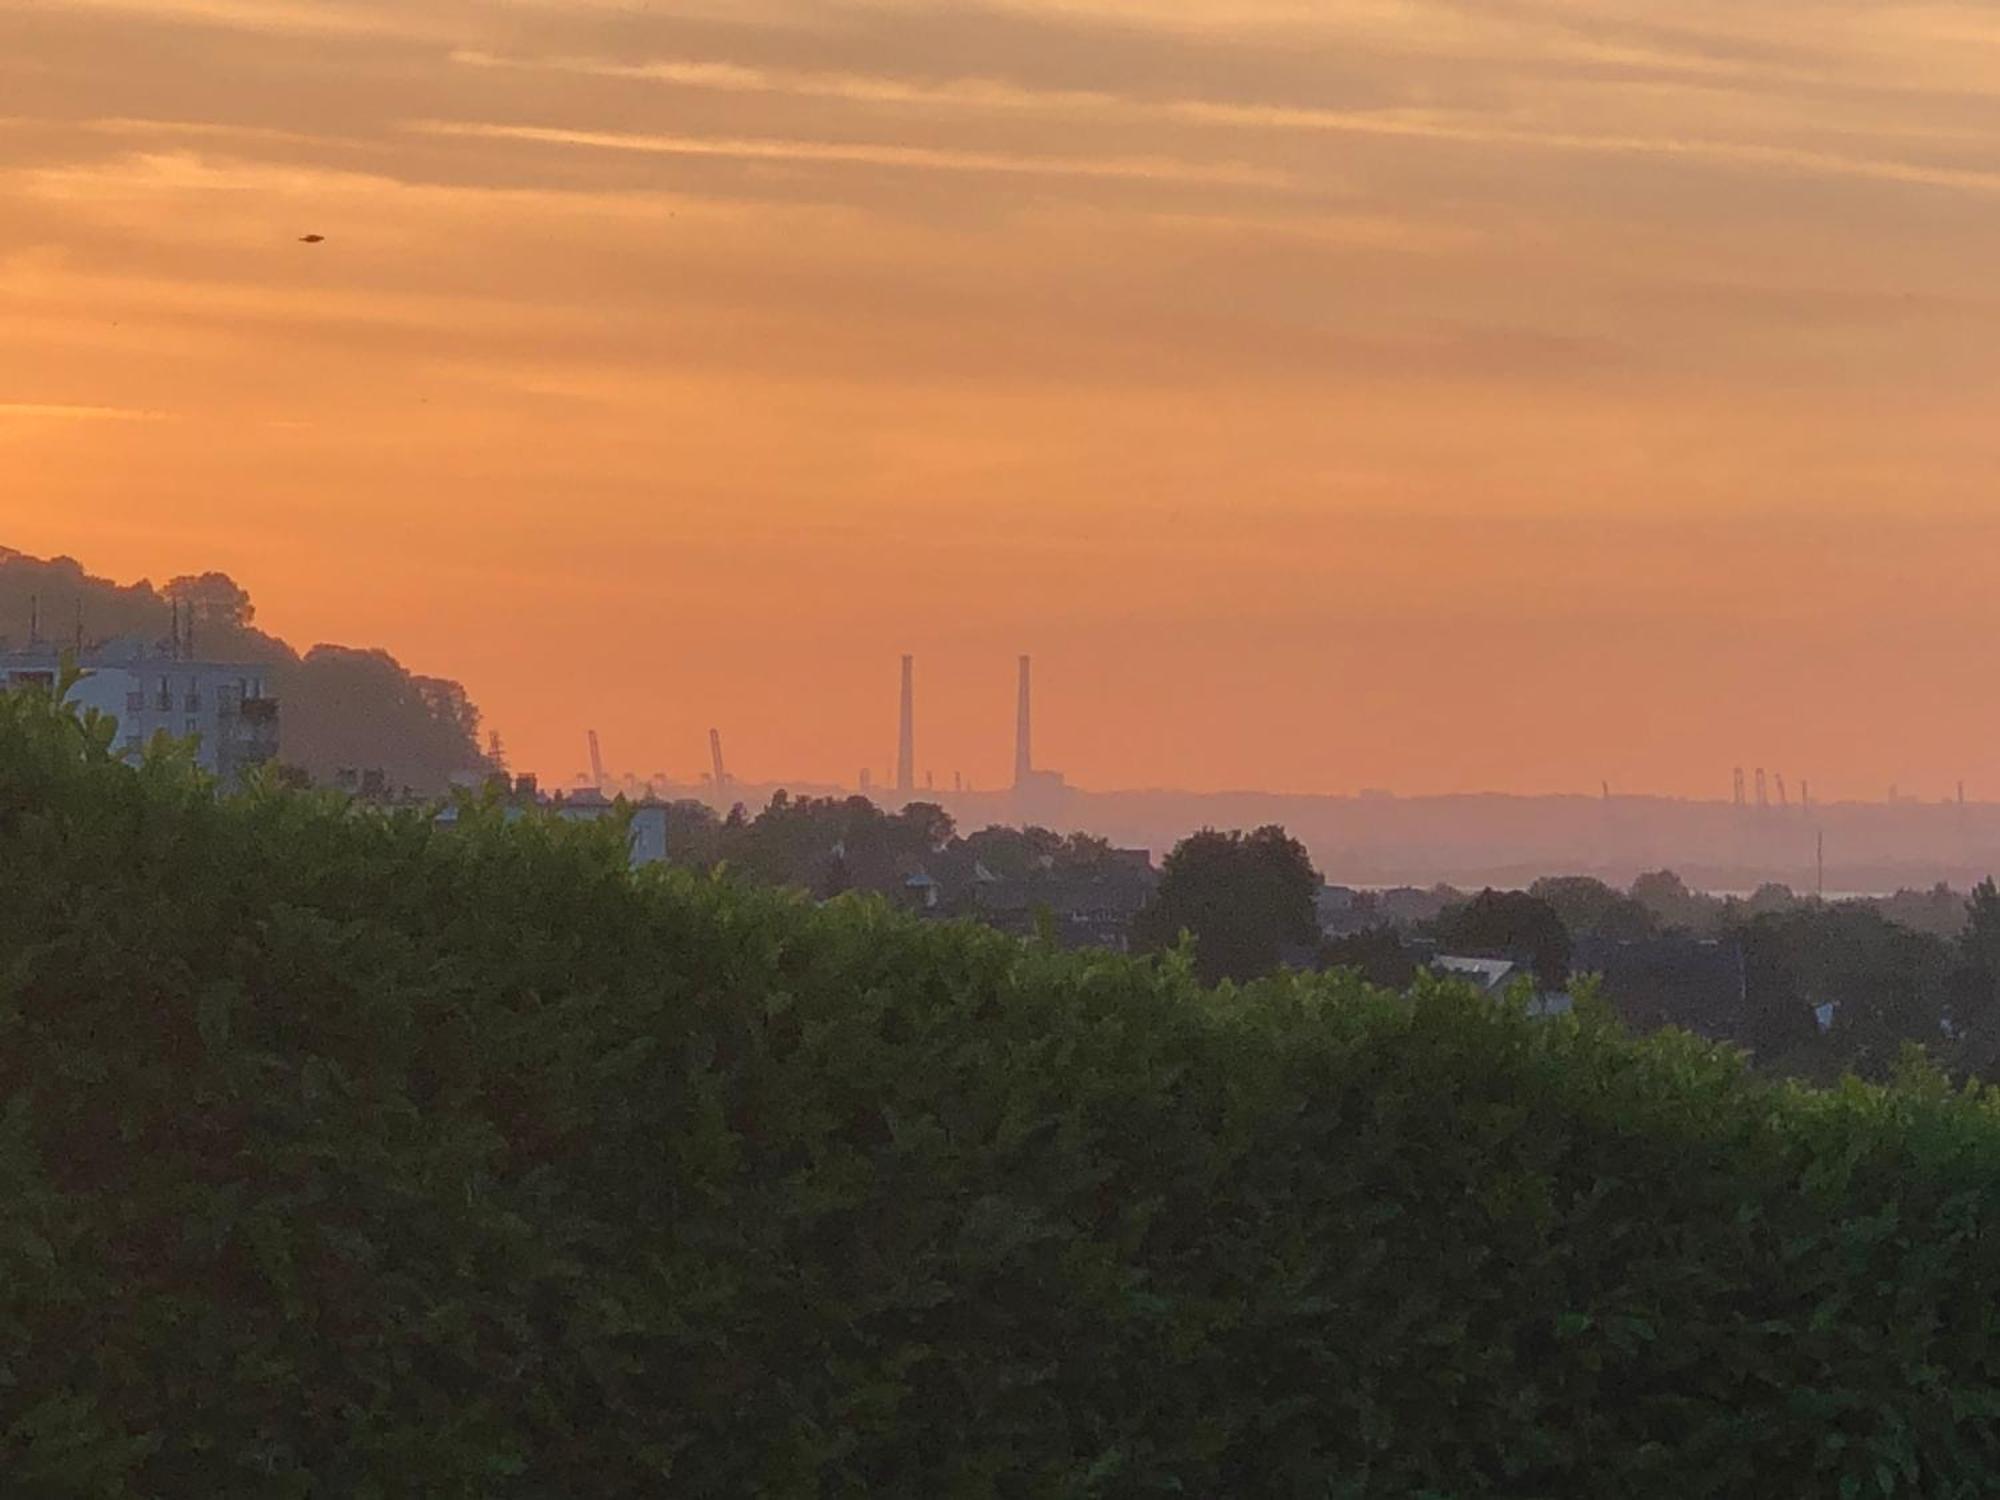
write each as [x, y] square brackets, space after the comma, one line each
[1436, 394]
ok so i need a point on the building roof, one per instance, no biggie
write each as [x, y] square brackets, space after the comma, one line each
[1489, 974]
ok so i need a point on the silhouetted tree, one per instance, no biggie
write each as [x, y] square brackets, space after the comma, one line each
[1975, 1000]
[1590, 909]
[212, 599]
[1377, 954]
[1778, 1020]
[1509, 924]
[1673, 905]
[1246, 898]
[344, 707]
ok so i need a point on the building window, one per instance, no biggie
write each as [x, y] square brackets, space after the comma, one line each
[193, 727]
[135, 703]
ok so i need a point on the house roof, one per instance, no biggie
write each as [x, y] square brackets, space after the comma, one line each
[1487, 973]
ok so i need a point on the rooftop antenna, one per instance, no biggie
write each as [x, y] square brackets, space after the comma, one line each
[34, 619]
[79, 630]
[596, 763]
[1024, 754]
[906, 735]
[721, 777]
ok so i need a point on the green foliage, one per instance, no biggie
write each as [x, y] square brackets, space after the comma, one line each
[1246, 898]
[346, 1155]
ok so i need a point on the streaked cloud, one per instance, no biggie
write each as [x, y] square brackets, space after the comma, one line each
[983, 94]
[52, 411]
[854, 153]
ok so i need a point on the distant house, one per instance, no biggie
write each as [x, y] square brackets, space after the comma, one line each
[921, 890]
[1697, 984]
[1340, 911]
[646, 835]
[1498, 976]
[1092, 907]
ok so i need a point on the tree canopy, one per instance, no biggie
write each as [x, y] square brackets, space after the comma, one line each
[1246, 899]
[347, 1154]
[1509, 924]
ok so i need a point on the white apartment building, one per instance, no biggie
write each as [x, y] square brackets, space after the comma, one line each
[221, 706]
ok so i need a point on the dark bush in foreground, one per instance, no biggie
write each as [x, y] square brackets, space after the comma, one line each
[346, 1157]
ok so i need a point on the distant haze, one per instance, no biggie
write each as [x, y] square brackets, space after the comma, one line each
[1436, 396]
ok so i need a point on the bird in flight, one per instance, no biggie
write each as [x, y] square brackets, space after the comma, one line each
[311, 239]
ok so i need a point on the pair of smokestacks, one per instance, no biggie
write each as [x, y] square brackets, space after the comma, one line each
[906, 739]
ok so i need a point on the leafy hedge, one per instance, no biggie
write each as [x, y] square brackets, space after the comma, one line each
[343, 1156]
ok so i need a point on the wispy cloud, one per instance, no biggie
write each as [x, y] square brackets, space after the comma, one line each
[320, 18]
[915, 158]
[852, 88]
[1454, 127]
[52, 411]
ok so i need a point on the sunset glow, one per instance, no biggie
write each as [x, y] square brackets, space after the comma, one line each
[1508, 394]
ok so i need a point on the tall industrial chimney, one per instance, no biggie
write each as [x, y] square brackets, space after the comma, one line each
[1024, 749]
[906, 737]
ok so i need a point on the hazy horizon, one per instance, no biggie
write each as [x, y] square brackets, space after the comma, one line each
[1440, 397]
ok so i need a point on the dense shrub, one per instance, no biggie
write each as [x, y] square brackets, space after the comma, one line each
[345, 1156]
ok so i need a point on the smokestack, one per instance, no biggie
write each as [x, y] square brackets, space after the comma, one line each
[906, 736]
[1024, 751]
